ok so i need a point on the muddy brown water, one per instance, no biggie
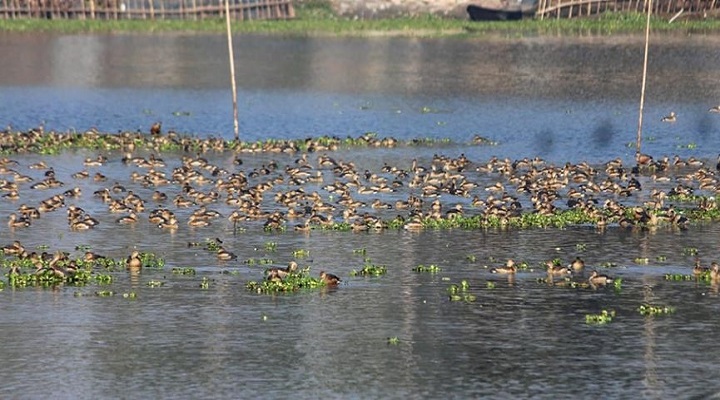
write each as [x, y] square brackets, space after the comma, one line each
[561, 99]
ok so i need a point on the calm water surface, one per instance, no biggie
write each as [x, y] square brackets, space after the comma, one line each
[562, 99]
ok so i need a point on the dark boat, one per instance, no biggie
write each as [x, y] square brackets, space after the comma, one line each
[501, 10]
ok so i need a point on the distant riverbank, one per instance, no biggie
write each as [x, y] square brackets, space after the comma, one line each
[319, 20]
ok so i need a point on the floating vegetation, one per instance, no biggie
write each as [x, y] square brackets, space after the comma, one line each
[661, 258]
[580, 246]
[679, 277]
[471, 257]
[183, 271]
[362, 251]
[432, 268]
[130, 295]
[642, 260]
[370, 269]
[690, 251]
[617, 283]
[259, 261]
[155, 284]
[605, 317]
[151, 260]
[300, 253]
[205, 283]
[270, 246]
[608, 264]
[291, 283]
[104, 293]
[650, 310]
[393, 340]
[460, 292]
[490, 285]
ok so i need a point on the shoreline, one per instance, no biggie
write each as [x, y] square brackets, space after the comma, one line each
[610, 24]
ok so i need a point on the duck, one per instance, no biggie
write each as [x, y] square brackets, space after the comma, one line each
[14, 249]
[17, 222]
[274, 274]
[329, 279]
[699, 269]
[134, 262]
[577, 264]
[715, 272]
[127, 219]
[509, 268]
[672, 117]
[553, 269]
[714, 109]
[597, 279]
[156, 128]
[225, 255]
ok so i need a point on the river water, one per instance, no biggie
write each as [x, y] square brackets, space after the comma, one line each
[563, 99]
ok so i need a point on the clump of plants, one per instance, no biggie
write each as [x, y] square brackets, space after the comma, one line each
[370, 269]
[604, 317]
[432, 268]
[291, 283]
[650, 310]
[461, 292]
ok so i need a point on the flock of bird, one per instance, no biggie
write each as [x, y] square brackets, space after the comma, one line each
[306, 190]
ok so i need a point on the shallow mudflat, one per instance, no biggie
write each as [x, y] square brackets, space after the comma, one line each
[188, 324]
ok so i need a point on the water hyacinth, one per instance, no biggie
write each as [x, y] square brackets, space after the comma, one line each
[605, 317]
[651, 310]
[290, 283]
[370, 269]
[432, 268]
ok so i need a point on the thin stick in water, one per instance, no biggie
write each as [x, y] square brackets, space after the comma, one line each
[644, 80]
[232, 70]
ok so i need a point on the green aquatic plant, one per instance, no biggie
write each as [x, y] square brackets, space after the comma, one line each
[291, 283]
[183, 271]
[471, 257]
[651, 310]
[300, 253]
[679, 277]
[151, 260]
[270, 246]
[432, 268]
[393, 340]
[642, 260]
[361, 251]
[104, 293]
[370, 269]
[259, 261]
[604, 317]
[490, 285]
[690, 251]
[155, 284]
[205, 283]
[461, 292]
[130, 295]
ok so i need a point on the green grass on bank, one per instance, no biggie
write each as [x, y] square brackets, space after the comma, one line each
[317, 19]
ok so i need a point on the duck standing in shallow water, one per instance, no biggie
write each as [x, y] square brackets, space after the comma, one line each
[329, 279]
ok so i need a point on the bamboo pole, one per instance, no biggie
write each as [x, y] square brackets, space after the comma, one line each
[644, 81]
[232, 70]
